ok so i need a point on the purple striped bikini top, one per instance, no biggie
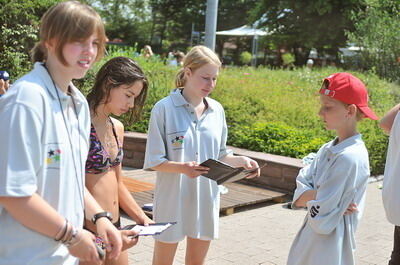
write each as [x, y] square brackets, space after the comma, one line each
[98, 160]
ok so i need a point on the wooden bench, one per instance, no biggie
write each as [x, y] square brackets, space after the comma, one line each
[134, 185]
[238, 196]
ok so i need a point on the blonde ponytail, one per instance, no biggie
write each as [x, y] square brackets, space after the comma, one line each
[180, 78]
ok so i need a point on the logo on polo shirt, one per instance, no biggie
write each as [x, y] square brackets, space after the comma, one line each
[314, 211]
[53, 156]
[177, 141]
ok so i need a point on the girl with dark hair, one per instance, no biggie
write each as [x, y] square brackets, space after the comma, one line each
[120, 87]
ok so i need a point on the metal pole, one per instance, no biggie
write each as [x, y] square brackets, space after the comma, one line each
[191, 35]
[211, 23]
[254, 51]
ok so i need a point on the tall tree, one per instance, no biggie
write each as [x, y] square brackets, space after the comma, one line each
[165, 24]
[129, 20]
[173, 19]
[306, 24]
[19, 25]
[233, 14]
[377, 32]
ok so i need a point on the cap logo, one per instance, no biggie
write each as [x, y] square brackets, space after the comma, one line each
[328, 92]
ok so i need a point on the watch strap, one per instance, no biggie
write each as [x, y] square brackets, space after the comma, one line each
[101, 215]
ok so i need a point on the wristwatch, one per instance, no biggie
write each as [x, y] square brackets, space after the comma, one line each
[100, 215]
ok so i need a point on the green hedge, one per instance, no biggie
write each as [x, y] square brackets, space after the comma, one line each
[275, 138]
[272, 111]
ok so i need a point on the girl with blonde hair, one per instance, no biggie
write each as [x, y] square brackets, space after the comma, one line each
[43, 200]
[186, 128]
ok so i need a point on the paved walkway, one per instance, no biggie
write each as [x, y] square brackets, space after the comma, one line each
[263, 236]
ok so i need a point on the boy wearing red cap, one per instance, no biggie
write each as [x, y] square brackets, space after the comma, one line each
[333, 186]
[390, 123]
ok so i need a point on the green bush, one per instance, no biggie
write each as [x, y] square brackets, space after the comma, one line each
[273, 111]
[288, 59]
[276, 138]
[245, 58]
[19, 20]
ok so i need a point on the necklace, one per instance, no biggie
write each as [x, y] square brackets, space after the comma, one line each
[80, 184]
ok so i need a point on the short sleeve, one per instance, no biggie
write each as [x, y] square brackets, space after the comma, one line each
[334, 195]
[223, 151]
[20, 158]
[156, 152]
[304, 182]
[391, 181]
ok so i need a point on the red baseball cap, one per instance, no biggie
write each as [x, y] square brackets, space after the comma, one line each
[349, 89]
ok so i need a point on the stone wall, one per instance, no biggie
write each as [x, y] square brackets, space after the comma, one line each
[279, 174]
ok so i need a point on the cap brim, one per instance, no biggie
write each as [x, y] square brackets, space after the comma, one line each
[368, 113]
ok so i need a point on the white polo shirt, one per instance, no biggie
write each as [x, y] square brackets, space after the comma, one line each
[339, 173]
[36, 157]
[391, 181]
[175, 134]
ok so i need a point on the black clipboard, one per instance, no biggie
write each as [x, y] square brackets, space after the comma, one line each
[222, 172]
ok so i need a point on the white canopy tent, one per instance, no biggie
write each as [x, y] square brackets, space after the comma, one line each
[243, 31]
[246, 31]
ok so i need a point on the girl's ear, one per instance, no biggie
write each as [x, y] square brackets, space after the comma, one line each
[49, 44]
[188, 72]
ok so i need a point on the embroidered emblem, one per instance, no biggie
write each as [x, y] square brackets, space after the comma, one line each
[314, 211]
[53, 156]
[177, 141]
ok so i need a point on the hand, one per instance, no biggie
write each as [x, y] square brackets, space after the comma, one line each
[85, 249]
[192, 169]
[352, 208]
[111, 237]
[128, 239]
[249, 163]
[144, 220]
[4, 85]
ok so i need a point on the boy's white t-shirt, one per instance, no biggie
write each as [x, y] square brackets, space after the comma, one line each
[36, 157]
[391, 181]
[340, 174]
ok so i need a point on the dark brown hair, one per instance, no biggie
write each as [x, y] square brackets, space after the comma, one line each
[67, 22]
[114, 73]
